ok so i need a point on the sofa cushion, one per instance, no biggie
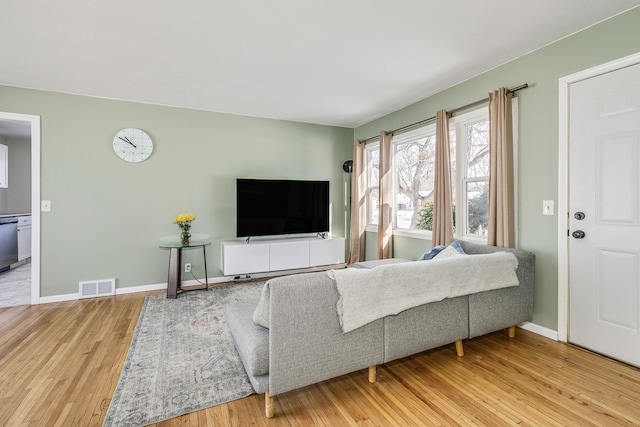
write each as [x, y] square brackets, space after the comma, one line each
[454, 249]
[306, 343]
[425, 327]
[252, 341]
[378, 262]
[260, 315]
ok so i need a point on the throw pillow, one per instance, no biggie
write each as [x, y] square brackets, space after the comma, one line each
[432, 253]
[261, 314]
[454, 249]
[458, 247]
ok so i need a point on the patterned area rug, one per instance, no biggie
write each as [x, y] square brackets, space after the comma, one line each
[182, 358]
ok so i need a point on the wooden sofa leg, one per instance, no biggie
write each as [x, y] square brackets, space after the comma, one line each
[372, 374]
[459, 348]
[268, 405]
[512, 331]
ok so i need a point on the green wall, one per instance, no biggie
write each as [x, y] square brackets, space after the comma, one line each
[107, 215]
[18, 193]
[538, 135]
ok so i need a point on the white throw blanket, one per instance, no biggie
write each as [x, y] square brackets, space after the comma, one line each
[370, 294]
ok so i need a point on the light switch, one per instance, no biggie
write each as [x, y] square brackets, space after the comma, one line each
[547, 207]
[45, 205]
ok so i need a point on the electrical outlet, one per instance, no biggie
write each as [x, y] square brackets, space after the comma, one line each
[187, 267]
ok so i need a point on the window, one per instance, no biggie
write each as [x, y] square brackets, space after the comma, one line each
[414, 175]
[372, 159]
[473, 218]
[414, 170]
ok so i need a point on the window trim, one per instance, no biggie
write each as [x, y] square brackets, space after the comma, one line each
[405, 138]
[372, 146]
[460, 122]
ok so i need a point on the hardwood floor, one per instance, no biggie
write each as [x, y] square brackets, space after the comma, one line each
[60, 363]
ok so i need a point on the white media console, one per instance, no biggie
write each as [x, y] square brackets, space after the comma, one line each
[262, 256]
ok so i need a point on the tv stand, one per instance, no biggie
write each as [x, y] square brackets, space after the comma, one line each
[263, 256]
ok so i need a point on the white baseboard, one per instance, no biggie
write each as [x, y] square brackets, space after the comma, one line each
[540, 330]
[133, 289]
[58, 298]
[211, 281]
[143, 288]
[162, 286]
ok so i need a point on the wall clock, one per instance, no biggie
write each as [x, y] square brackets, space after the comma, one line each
[132, 145]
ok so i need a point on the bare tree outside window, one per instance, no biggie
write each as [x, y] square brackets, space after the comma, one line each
[415, 170]
[477, 178]
[478, 150]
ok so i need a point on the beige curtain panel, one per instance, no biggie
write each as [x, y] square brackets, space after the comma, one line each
[442, 233]
[501, 192]
[385, 215]
[358, 206]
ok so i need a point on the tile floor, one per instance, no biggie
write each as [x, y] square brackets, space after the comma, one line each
[15, 286]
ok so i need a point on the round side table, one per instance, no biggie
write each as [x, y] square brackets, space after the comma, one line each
[174, 282]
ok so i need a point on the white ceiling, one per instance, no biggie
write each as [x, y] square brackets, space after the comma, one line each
[334, 62]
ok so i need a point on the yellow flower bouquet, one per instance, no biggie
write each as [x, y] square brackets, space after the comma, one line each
[184, 222]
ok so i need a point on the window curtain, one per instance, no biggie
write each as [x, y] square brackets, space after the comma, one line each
[358, 206]
[501, 193]
[385, 218]
[442, 233]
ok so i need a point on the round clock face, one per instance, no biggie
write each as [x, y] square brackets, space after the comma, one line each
[133, 145]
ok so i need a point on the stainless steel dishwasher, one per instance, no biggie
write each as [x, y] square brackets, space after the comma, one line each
[8, 242]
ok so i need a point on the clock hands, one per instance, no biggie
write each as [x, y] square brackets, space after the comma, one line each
[125, 139]
[132, 145]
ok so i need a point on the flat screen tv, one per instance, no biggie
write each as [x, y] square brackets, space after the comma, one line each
[268, 207]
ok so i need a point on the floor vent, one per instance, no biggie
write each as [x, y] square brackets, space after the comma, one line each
[97, 288]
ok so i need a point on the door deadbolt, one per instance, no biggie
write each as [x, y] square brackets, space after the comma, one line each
[579, 216]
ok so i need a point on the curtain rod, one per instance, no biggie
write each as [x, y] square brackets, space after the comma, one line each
[451, 112]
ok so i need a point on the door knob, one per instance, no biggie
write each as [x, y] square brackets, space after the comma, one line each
[578, 234]
[579, 216]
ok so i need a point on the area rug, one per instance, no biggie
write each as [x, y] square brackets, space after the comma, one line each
[182, 358]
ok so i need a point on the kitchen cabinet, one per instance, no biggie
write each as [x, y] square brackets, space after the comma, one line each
[24, 237]
[4, 166]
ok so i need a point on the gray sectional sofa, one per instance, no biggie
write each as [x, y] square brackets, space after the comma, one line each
[304, 343]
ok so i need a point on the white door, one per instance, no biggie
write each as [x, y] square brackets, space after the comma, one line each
[604, 214]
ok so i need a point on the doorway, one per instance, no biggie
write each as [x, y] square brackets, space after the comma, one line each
[598, 257]
[19, 123]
